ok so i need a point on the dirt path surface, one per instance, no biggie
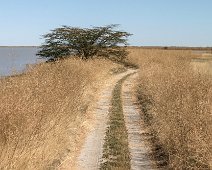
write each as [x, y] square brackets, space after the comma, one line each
[92, 149]
[137, 133]
[91, 153]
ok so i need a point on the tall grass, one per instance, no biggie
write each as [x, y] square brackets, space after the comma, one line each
[42, 111]
[178, 105]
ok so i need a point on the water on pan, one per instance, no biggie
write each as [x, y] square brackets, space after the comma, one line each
[15, 59]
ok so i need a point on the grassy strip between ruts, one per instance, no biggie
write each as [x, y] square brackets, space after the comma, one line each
[116, 153]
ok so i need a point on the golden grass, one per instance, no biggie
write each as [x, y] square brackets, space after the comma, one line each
[178, 103]
[42, 111]
[202, 63]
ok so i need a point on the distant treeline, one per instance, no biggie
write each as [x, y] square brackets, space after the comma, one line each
[174, 48]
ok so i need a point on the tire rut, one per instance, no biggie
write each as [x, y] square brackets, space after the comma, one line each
[138, 134]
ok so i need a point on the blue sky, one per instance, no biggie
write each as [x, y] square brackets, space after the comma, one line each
[152, 22]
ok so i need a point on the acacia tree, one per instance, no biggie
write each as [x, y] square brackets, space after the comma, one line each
[85, 43]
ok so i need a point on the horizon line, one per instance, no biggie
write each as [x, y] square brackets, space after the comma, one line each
[156, 46]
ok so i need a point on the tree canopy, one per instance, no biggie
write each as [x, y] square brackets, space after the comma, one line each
[85, 43]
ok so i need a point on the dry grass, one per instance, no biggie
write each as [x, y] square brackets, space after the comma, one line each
[42, 111]
[178, 101]
[203, 63]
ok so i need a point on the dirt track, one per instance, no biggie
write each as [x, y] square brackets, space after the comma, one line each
[91, 153]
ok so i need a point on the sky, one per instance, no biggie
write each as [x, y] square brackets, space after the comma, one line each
[152, 22]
